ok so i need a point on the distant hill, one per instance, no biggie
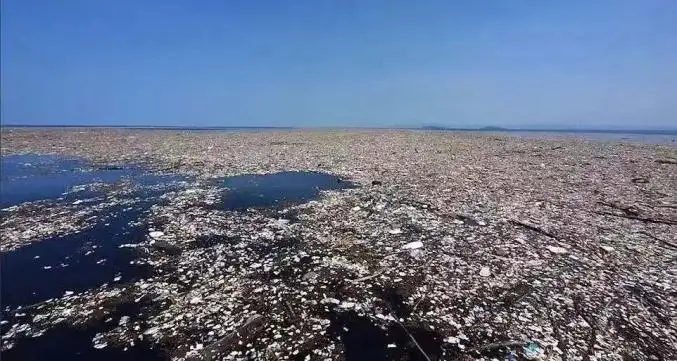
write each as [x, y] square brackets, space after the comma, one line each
[488, 128]
[436, 127]
[501, 129]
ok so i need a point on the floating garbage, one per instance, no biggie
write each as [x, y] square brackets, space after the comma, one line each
[156, 234]
[413, 245]
[557, 250]
[533, 351]
[325, 280]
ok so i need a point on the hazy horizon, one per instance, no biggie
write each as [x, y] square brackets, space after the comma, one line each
[520, 64]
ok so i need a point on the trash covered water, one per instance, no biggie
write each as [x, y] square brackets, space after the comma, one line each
[72, 262]
[66, 343]
[69, 256]
[452, 247]
[533, 351]
[106, 254]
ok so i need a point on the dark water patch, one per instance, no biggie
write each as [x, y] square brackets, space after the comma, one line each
[362, 340]
[277, 189]
[110, 167]
[393, 300]
[66, 343]
[426, 341]
[365, 341]
[79, 261]
[30, 177]
[73, 262]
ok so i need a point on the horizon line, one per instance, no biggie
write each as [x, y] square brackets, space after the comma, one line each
[657, 131]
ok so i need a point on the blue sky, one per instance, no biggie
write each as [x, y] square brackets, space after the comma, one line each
[584, 64]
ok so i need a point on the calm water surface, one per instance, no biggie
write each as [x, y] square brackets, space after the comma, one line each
[84, 260]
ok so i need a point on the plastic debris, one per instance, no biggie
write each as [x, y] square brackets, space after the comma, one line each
[533, 351]
[156, 234]
[557, 250]
[413, 245]
[607, 248]
[291, 262]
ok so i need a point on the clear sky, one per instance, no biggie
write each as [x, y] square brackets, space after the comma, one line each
[592, 63]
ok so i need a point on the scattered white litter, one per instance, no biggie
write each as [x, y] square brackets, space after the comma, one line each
[395, 231]
[99, 342]
[452, 339]
[156, 234]
[557, 250]
[330, 300]
[346, 305]
[413, 245]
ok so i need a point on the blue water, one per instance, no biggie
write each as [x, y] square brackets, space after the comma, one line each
[65, 343]
[30, 177]
[73, 262]
[277, 189]
[87, 259]
[79, 261]
[92, 257]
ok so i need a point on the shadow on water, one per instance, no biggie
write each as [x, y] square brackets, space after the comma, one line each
[277, 189]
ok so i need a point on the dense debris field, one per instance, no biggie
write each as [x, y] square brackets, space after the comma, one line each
[450, 246]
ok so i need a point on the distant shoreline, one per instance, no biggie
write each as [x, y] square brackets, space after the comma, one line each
[429, 128]
[532, 130]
